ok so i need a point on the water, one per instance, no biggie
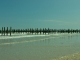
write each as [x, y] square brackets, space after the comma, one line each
[33, 47]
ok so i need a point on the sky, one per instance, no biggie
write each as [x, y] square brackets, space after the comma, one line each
[54, 14]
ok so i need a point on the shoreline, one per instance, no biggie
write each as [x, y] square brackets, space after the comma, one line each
[75, 56]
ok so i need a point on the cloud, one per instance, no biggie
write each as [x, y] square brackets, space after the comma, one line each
[62, 22]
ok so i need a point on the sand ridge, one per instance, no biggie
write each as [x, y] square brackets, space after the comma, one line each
[75, 56]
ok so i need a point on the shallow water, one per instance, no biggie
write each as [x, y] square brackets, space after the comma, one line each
[40, 47]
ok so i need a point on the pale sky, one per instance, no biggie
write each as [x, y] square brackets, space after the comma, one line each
[55, 14]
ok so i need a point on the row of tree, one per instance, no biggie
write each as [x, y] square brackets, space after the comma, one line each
[44, 30]
[36, 31]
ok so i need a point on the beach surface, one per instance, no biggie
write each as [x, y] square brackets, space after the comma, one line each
[75, 56]
[40, 47]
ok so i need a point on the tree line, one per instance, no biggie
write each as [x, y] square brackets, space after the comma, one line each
[7, 30]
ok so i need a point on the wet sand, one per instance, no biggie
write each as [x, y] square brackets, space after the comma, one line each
[40, 47]
[75, 56]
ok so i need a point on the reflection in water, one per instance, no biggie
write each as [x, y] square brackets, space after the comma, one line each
[39, 48]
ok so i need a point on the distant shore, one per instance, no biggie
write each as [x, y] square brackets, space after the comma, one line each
[75, 56]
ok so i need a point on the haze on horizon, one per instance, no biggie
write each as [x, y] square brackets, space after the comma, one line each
[57, 14]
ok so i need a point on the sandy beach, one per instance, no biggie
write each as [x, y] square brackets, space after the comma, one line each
[40, 47]
[75, 56]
